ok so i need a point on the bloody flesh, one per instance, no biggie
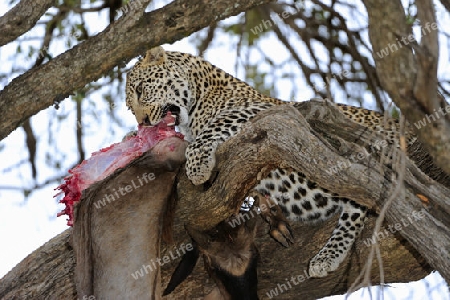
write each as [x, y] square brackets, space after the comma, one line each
[105, 161]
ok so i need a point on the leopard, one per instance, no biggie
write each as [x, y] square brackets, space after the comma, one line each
[210, 106]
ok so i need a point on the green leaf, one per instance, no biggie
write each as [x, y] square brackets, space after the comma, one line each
[395, 113]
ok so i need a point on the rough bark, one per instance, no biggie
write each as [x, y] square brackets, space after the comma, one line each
[315, 144]
[48, 273]
[125, 39]
[281, 136]
[21, 18]
[313, 148]
[409, 72]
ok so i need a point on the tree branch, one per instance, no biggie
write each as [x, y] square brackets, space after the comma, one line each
[410, 78]
[30, 141]
[281, 137]
[117, 44]
[53, 264]
[427, 57]
[21, 18]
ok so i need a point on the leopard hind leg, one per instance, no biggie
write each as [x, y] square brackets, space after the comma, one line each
[350, 224]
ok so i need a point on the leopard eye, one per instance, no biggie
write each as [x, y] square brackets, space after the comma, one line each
[139, 90]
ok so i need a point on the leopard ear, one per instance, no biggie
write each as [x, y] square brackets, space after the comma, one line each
[154, 56]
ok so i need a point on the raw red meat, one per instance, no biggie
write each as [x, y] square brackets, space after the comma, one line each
[105, 161]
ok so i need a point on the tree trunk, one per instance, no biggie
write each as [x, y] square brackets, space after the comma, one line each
[409, 71]
[278, 137]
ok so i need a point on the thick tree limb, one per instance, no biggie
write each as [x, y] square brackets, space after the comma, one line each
[282, 137]
[21, 18]
[39, 273]
[427, 57]
[321, 144]
[48, 273]
[401, 264]
[410, 78]
[117, 44]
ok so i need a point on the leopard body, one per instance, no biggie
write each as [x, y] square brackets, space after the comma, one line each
[211, 106]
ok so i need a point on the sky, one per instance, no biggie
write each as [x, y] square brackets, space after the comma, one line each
[26, 225]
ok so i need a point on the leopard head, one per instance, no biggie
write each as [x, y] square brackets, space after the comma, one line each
[155, 86]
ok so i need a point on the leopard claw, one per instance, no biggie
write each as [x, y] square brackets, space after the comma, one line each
[282, 234]
[280, 230]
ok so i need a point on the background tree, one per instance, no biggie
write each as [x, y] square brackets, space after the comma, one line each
[53, 51]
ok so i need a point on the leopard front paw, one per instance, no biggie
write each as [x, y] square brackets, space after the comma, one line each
[200, 162]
